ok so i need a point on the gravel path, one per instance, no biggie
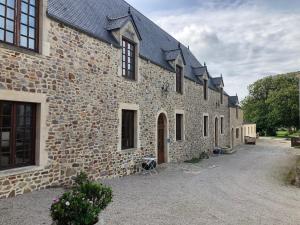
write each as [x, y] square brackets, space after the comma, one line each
[241, 189]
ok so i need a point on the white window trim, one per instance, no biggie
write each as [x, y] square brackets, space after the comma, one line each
[205, 114]
[134, 107]
[181, 112]
[179, 62]
[222, 131]
[41, 154]
[119, 35]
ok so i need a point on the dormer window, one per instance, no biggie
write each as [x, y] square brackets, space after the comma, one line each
[19, 23]
[205, 89]
[179, 79]
[128, 59]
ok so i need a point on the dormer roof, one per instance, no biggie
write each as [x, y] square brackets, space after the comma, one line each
[115, 23]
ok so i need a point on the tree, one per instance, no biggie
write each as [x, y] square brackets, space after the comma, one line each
[273, 102]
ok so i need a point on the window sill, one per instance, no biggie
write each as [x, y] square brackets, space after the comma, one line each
[19, 49]
[21, 170]
[128, 150]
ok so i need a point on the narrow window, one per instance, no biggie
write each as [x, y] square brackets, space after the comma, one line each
[237, 112]
[179, 127]
[19, 23]
[222, 125]
[128, 129]
[128, 59]
[237, 132]
[221, 95]
[205, 89]
[205, 126]
[178, 79]
[17, 134]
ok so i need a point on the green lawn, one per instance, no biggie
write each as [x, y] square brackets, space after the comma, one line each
[285, 134]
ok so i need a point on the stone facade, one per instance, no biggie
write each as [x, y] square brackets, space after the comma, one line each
[80, 80]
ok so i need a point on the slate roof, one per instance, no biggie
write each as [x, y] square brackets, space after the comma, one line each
[217, 81]
[92, 18]
[233, 101]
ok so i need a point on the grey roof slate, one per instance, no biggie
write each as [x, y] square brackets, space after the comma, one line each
[91, 17]
[233, 101]
[218, 81]
[172, 54]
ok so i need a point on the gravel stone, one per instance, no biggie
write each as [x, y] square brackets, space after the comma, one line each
[245, 188]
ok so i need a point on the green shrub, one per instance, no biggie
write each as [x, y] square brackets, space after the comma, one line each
[73, 208]
[81, 178]
[82, 205]
[100, 195]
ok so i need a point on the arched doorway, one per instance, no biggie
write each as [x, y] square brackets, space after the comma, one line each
[162, 138]
[216, 132]
[232, 138]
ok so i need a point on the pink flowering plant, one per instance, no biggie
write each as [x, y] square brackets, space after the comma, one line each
[82, 205]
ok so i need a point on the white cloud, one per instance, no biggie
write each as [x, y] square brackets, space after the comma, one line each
[243, 42]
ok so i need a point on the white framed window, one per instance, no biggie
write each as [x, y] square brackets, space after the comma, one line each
[222, 125]
[38, 128]
[129, 127]
[179, 125]
[205, 125]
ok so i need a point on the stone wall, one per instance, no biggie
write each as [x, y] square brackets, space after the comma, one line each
[236, 123]
[84, 91]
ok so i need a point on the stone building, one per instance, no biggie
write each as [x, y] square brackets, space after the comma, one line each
[96, 86]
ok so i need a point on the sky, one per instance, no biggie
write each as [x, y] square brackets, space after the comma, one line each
[244, 40]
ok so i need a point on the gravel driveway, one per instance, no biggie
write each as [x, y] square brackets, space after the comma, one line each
[241, 189]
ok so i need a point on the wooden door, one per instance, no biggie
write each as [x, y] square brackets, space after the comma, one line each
[161, 139]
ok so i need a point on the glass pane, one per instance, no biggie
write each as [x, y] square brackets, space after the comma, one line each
[28, 134]
[19, 145]
[24, 19]
[4, 159]
[23, 41]
[31, 11]
[31, 21]
[31, 43]
[5, 135]
[6, 121]
[1, 35]
[6, 109]
[19, 157]
[2, 10]
[10, 3]
[24, 7]
[2, 1]
[32, 2]
[24, 30]
[10, 13]
[1, 22]
[9, 25]
[9, 37]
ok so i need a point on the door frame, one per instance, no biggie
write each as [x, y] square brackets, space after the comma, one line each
[166, 130]
[232, 138]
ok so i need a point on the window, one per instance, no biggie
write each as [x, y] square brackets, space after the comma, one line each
[179, 127]
[19, 23]
[237, 132]
[205, 126]
[222, 125]
[178, 79]
[128, 129]
[128, 59]
[205, 89]
[222, 95]
[237, 112]
[17, 134]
